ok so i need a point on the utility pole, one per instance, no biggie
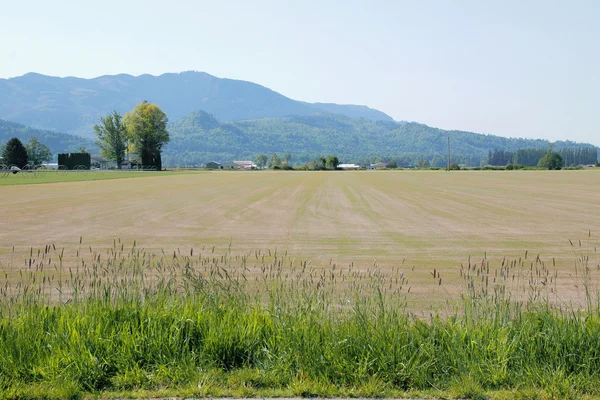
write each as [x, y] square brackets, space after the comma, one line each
[448, 153]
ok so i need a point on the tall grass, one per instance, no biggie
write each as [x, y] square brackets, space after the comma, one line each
[202, 323]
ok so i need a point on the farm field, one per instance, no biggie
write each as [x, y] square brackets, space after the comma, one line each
[417, 221]
[332, 284]
[53, 176]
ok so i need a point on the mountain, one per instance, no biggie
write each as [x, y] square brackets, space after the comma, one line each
[199, 137]
[57, 142]
[74, 105]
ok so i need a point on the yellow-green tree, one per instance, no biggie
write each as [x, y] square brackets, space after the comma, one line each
[146, 127]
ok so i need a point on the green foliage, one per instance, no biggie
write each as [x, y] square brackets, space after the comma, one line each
[332, 162]
[529, 157]
[572, 156]
[500, 157]
[14, 154]
[37, 152]
[260, 161]
[274, 161]
[147, 130]
[73, 161]
[422, 164]
[114, 328]
[514, 166]
[352, 140]
[454, 167]
[112, 138]
[56, 142]
[551, 160]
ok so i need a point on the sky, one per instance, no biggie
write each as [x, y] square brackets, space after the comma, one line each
[525, 68]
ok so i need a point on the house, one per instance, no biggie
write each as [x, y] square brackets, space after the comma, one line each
[127, 164]
[246, 164]
[213, 165]
[231, 165]
[99, 162]
[348, 166]
[378, 165]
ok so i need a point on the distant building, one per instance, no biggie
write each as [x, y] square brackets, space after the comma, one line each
[231, 165]
[348, 166]
[50, 165]
[99, 162]
[128, 164]
[378, 165]
[213, 165]
[246, 164]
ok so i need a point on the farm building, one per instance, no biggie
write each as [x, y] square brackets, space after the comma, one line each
[348, 166]
[231, 165]
[378, 165]
[99, 162]
[213, 165]
[246, 164]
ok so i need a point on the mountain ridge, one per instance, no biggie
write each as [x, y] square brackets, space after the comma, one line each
[73, 105]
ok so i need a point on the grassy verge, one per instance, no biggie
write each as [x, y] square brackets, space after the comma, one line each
[30, 178]
[126, 323]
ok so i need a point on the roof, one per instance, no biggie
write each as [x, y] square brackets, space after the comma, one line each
[245, 164]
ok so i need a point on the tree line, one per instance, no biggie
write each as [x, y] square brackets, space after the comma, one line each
[141, 133]
[571, 156]
[276, 162]
[15, 153]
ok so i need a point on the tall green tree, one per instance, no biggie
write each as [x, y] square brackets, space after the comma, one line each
[286, 158]
[146, 127]
[260, 161]
[37, 152]
[275, 161]
[332, 162]
[552, 160]
[112, 138]
[15, 154]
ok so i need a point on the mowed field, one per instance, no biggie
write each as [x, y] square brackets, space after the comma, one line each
[424, 220]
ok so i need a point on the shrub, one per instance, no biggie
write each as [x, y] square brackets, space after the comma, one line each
[74, 160]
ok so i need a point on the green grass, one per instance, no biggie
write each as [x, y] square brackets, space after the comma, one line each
[125, 322]
[29, 178]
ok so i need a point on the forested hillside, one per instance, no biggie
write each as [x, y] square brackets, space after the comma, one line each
[57, 142]
[199, 137]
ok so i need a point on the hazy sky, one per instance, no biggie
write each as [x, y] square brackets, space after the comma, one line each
[512, 68]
